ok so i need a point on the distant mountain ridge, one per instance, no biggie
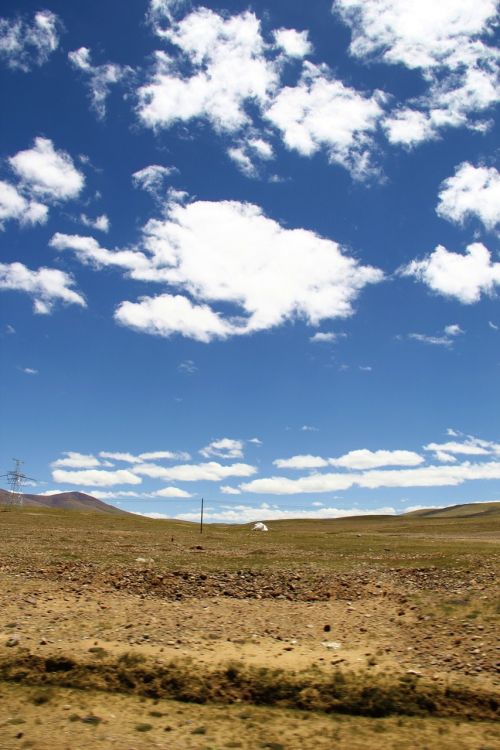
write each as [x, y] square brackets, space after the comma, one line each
[63, 500]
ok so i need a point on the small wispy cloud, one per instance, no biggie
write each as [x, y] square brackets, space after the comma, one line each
[188, 367]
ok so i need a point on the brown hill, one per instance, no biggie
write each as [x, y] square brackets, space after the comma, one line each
[468, 510]
[63, 500]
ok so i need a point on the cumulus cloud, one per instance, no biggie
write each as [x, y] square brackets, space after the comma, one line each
[229, 70]
[322, 337]
[470, 446]
[75, 460]
[278, 274]
[249, 153]
[447, 42]
[172, 492]
[212, 471]
[100, 222]
[47, 173]
[100, 77]
[462, 276]
[366, 459]
[45, 285]
[25, 44]
[160, 11]
[89, 252]
[152, 179]
[418, 35]
[223, 448]
[226, 490]
[267, 512]
[293, 43]
[320, 112]
[95, 477]
[13, 205]
[226, 71]
[168, 314]
[301, 462]
[471, 192]
[141, 457]
[426, 476]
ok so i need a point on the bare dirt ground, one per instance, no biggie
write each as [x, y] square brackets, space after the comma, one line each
[129, 633]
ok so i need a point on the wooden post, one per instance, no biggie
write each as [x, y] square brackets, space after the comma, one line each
[201, 517]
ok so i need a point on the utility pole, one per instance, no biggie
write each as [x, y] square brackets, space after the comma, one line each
[201, 517]
[16, 480]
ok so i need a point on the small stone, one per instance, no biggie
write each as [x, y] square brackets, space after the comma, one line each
[13, 641]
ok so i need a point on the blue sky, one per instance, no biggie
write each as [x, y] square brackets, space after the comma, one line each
[250, 252]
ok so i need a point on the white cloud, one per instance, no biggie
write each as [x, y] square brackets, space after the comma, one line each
[172, 492]
[223, 448]
[265, 512]
[187, 367]
[117, 456]
[229, 71]
[100, 77]
[326, 338]
[472, 191]
[366, 459]
[427, 476]
[163, 10]
[226, 490]
[75, 460]
[118, 494]
[224, 71]
[493, 326]
[309, 428]
[445, 339]
[256, 441]
[89, 252]
[151, 456]
[444, 457]
[447, 42]
[453, 330]
[293, 43]
[301, 462]
[100, 222]
[209, 472]
[421, 35]
[25, 44]
[471, 446]
[29, 371]
[13, 205]
[278, 274]
[152, 179]
[95, 477]
[46, 172]
[248, 154]
[46, 285]
[166, 315]
[434, 340]
[165, 455]
[464, 277]
[320, 112]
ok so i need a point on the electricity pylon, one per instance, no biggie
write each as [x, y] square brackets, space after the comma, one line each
[16, 480]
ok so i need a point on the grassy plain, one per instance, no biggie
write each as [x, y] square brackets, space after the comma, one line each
[126, 632]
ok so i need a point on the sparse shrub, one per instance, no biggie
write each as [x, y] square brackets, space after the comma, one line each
[131, 659]
[143, 727]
